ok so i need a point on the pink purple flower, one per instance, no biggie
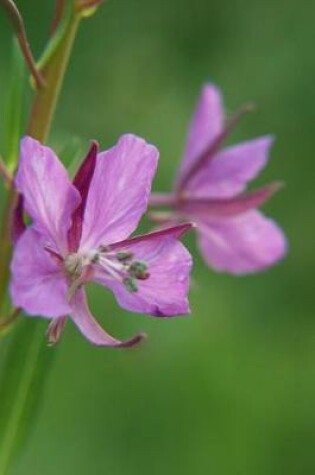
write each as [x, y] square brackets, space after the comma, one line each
[80, 233]
[210, 190]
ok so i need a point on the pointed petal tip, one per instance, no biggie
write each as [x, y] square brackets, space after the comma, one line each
[94, 147]
[94, 143]
[266, 140]
[245, 109]
[275, 186]
[134, 341]
[262, 195]
[184, 228]
[55, 330]
[270, 138]
[249, 107]
[173, 231]
[180, 229]
[210, 87]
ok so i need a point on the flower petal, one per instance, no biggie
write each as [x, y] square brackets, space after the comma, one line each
[207, 208]
[245, 243]
[164, 293]
[207, 123]
[230, 171]
[49, 196]
[119, 191]
[38, 284]
[89, 327]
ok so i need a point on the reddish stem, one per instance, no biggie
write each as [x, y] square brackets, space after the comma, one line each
[18, 25]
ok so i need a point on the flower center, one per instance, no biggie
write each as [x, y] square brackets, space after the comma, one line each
[75, 262]
[120, 266]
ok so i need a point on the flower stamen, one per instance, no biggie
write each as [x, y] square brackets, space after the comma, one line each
[123, 267]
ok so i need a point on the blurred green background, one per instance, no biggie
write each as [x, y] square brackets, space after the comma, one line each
[231, 389]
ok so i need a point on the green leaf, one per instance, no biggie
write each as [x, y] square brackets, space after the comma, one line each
[23, 377]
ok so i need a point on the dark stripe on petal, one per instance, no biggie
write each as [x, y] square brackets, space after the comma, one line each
[82, 182]
[18, 225]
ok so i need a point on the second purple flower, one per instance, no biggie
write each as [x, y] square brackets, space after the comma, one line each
[210, 190]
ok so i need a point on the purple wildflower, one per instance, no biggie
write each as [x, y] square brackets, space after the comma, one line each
[79, 233]
[233, 236]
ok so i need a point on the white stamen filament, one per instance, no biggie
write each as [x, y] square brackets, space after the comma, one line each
[115, 269]
[120, 266]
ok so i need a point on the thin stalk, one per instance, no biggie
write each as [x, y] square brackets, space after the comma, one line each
[45, 100]
[18, 24]
[59, 9]
[14, 108]
[4, 173]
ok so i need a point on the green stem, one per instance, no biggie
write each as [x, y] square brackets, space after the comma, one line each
[45, 101]
[14, 108]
